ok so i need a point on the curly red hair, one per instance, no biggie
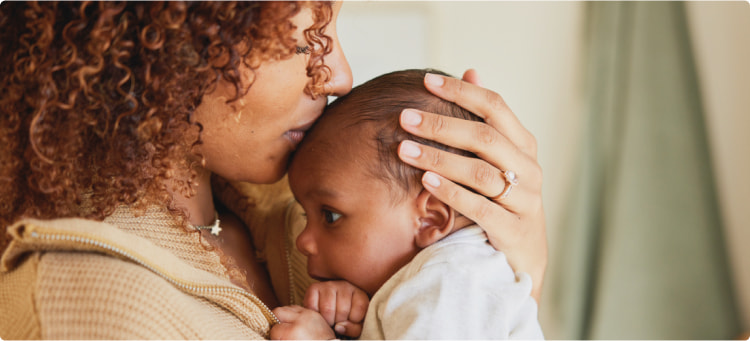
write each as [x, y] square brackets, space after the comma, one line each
[96, 99]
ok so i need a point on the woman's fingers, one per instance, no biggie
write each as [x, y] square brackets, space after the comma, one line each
[485, 178]
[472, 76]
[525, 247]
[486, 104]
[477, 137]
[474, 206]
[508, 205]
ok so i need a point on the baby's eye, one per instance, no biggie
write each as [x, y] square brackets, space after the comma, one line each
[331, 217]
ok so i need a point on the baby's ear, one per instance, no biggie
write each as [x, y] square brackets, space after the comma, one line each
[436, 219]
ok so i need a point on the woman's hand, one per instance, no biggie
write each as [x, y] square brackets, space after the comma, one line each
[513, 219]
[341, 304]
[297, 323]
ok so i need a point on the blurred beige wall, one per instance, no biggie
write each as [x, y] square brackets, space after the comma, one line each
[530, 53]
[720, 33]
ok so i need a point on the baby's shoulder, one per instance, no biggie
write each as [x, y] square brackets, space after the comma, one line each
[467, 247]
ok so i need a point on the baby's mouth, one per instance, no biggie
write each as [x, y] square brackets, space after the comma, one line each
[320, 279]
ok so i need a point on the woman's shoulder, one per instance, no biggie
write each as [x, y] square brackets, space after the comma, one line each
[49, 294]
[83, 285]
[84, 295]
[104, 297]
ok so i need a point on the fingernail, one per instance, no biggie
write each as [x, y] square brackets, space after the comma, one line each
[431, 179]
[411, 117]
[434, 79]
[410, 149]
[339, 329]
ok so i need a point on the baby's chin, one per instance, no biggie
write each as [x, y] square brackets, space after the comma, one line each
[320, 278]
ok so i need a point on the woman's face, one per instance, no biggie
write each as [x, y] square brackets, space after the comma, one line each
[252, 138]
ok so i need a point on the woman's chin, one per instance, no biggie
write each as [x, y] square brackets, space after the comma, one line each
[268, 174]
[270, 177]
[273, 170]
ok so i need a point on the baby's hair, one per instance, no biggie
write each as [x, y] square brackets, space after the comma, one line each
[379, 102]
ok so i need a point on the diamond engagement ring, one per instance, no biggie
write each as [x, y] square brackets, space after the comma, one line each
[510, 181]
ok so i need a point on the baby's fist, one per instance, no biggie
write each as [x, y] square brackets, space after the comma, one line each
[297, 323]
[341, 304]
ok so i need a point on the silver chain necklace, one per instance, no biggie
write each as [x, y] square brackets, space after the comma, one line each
[215, 229]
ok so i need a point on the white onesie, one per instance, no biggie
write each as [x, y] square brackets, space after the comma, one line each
[457, 288]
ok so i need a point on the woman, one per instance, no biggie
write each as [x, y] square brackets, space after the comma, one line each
[116, 115]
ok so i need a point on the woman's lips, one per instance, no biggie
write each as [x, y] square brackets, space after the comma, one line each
[295, 136]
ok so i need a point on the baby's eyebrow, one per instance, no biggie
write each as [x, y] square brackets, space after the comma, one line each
[324, 192]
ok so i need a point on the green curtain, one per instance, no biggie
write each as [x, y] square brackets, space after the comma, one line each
[641, 253]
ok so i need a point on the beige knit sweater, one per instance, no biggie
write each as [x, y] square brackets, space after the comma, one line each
[135, 278]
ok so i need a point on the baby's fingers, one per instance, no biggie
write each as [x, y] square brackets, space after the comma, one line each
[327, 305]
[359, 305]
[349, 329]
[312, 298]
[321, 297]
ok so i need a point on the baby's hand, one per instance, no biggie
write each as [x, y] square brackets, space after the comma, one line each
[341, 304]
[297, 323]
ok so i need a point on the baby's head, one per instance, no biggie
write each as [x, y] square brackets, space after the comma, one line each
[367, 212]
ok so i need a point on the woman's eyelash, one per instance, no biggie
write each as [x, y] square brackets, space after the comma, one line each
[303, 50]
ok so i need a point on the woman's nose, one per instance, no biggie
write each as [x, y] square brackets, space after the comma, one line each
[341, 73]
[306, 243]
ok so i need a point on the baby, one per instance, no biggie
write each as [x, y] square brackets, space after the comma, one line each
[429, 271]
